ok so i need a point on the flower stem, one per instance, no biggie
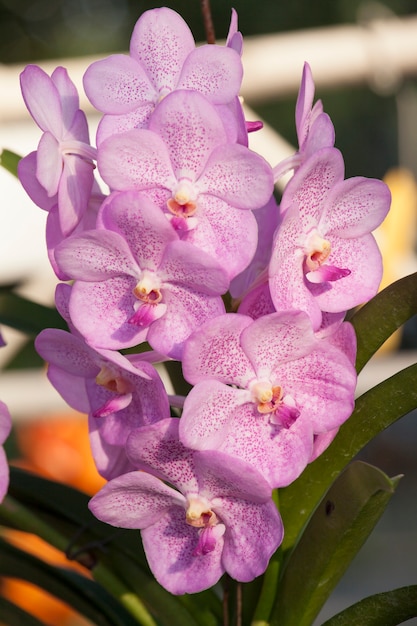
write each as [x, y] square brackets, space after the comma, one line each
[269, 586]
[208, 21]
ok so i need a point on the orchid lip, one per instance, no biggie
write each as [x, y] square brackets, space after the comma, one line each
[147, 290]
[199, 513]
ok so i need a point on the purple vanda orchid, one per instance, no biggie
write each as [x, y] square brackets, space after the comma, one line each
[163, 58]
[206, 185]
[5, 428]
[136, 280]
[118, 393]
[325, 259]
[215, 515]
[263, 390]
[63, 163]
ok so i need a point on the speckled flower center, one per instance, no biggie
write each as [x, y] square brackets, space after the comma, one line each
[110, 379]
[147, 289]
[266, 397]
[199, 514]
[183, 201]
[317, 250]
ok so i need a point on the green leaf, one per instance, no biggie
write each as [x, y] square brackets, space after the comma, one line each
[381, 316]
[83, 595]
[383, 609]
[13, 615]
[372, 414]
[9, 161]
[27, 316]
[334, 534]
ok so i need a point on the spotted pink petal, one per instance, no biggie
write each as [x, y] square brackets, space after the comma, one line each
[174, 563]
[238, 176]
[138, 159]
[214, 71]
[356, 207]
[214, 352]
[191, 129]
[117, 84]
[161, 41]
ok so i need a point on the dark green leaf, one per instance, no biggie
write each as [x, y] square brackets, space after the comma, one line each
[381, 316]
[9, 161]
[375, 410]
[27, 316]
[334, 534]
[383, 609]
[13, 615]
[83, 595]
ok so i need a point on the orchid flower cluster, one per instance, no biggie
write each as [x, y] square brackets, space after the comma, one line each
[187, 223]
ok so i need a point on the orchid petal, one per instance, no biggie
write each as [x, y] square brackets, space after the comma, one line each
[42, 99]
[68, 96]
[134, 500]
[214, 352]
[100, 312]
[238, 176]
[137, 159]
[191, 128]
[161, 41]
[214, 71]
[117, 84]
[170, 546]
[355, 207]
[96, 255]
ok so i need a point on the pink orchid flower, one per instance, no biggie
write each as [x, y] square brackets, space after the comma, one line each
[201, 514]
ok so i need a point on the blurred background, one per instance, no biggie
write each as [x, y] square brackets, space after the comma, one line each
[364, 60]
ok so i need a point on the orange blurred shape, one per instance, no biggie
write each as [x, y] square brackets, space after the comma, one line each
[58, 447]
[32, 599]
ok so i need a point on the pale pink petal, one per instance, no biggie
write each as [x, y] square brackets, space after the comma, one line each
[137, 159]
[96, 255]
[277, 338]
[117, 124]
[190, 128]
[161, 41]
[363, 258]
[117, 84]
[355, 207]
[156, 448]
[253, 533]
[214, 71]
[257, 302]
[42, 99]
[100, 312]
[141, 224]
[74, 191]
[26, 171]
[239, 176]
[286, 271]
[304, 104]
[226, 233]
[68, 96]
[185, 265]
[214, 352]
[207, 418]
[49, 164]
[308, 189]
[134, 500]
[170, 546]
[187, 310]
